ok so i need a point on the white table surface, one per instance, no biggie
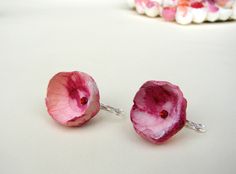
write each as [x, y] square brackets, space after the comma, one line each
[121, 50]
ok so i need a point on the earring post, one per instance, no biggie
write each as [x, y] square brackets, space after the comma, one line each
[195, 126]
[116, 111]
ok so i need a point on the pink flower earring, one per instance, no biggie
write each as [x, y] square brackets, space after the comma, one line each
[159, 112]
[73, 98]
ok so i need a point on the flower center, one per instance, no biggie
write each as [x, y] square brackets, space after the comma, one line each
[164, 114]
[84, 100]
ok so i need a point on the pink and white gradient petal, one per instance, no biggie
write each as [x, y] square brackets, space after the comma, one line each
[72, 98]
[150, 101]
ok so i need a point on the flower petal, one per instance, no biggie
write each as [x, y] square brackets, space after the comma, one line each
[72, 98]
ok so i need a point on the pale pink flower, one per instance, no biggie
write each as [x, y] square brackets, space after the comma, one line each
[72, 98]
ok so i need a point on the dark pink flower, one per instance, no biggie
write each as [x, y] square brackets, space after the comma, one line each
[159, 111]
[72, 98]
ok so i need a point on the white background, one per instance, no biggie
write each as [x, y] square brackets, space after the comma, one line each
[121, 50]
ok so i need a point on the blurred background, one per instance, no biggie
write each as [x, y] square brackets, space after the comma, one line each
[121, 50]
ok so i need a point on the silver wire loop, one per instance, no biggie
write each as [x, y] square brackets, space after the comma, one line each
[198, 127]
[195, 126]
[116, 111]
